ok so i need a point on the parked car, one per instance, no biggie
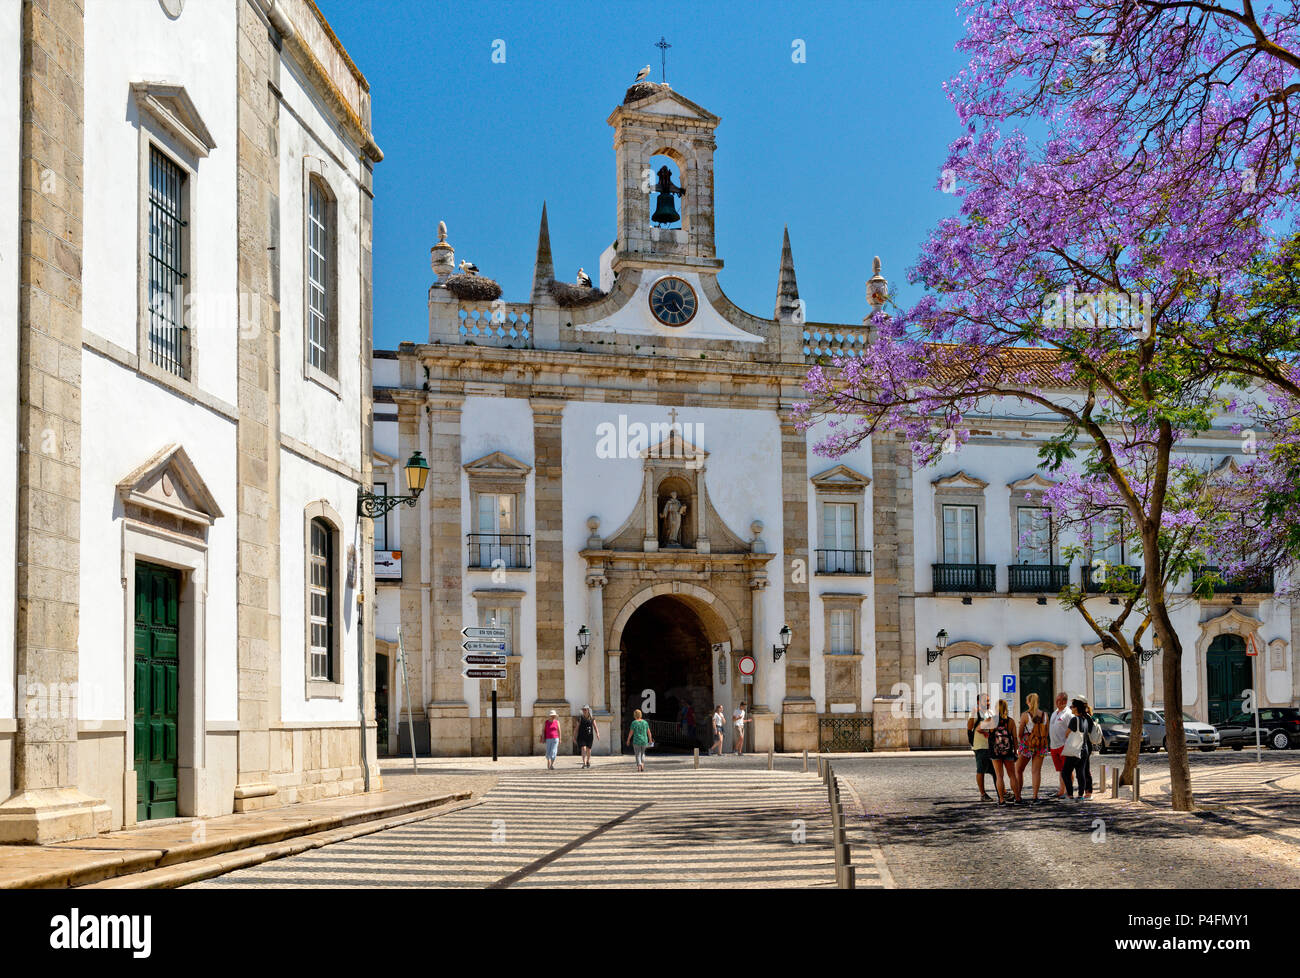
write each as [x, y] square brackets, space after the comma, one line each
[1200, 735]
[1279, 728]
[1153, 727]
[1115, 733]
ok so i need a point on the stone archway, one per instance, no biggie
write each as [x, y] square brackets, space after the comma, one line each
[666, 635]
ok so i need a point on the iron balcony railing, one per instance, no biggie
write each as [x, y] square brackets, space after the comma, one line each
[1260, 582]
[514, 550]
[965, 577]
[1037, 578]
[1115, 577]
[843, 561]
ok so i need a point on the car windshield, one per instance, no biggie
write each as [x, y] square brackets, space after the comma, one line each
[1107, 718]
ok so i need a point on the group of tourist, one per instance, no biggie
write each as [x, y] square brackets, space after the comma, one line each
[586, 731]
[1004, 749]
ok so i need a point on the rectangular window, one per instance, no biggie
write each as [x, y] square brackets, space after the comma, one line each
[963, 684]
[320, 591]
[381, 523]
[318, 338]
[496, 528]
[959, 542]
[1107, 537]
[842, 639]
[839, 537]
[166, 292]
[1108, 682]
[1033, 536]
[504, 618]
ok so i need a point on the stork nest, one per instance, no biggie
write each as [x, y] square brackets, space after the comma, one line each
[640, 90]
[472, 288]
[569, 295]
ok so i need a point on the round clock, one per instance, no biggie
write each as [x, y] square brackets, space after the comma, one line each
[673, 302]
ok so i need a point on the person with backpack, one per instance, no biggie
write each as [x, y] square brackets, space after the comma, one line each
[1002, 750]
[638, 735]
[1034, 744]
[977, 726]
[1085, 733]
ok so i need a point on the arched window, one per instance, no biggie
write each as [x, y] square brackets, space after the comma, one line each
[964, 674]
[321, 594]
[1107, 682]
[320, 275]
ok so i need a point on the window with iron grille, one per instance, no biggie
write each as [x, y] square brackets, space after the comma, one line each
[318, 272]
[320, 592]
[168, 341]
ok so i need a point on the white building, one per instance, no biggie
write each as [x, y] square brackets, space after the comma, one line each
[191, 362]
[565, 431]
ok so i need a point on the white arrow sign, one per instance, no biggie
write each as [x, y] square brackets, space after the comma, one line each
[483, 673]
[491, 661]
[469, 646]
[487, 631]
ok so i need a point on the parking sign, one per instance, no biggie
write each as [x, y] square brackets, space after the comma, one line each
[1008, 684]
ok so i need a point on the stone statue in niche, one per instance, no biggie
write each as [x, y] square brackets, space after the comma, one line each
[673, 511]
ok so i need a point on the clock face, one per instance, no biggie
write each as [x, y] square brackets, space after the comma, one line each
[673, 302]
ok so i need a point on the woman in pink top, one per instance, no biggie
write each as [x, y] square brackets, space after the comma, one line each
[551, 734]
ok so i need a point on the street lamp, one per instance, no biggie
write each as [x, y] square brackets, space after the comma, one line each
[784, 647]
[1146, 655]
[584, 640]
[373, 505]
[941, 640]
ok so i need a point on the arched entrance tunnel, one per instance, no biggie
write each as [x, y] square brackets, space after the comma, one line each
[666, 673]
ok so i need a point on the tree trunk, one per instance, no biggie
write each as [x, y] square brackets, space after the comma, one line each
[1180, 772]
[1137, 696]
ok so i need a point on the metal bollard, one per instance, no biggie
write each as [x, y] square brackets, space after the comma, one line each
[1137, 784]
[697, 758]
[1114, 786]
[769, 759]
[1103, 778]
[805, 761]
[850, 878]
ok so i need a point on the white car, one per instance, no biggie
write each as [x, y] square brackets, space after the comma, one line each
[1203, 736]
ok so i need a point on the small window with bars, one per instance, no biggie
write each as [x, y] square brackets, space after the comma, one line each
[168, 337]
[319, 338]
[320, 595]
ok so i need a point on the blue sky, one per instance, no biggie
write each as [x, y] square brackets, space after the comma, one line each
[845, 148]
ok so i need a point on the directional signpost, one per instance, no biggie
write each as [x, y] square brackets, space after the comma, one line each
[485, 658]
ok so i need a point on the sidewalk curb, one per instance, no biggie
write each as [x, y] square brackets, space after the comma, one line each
[182, 874]
[877, 853]
[103, 862]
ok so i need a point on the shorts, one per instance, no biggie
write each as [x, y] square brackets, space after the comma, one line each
[639, 751]
[1028, 752]
[1057, 759]
[983, 762]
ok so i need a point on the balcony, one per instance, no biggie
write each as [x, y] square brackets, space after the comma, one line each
[844, 562]
[959, 578]
[513, 550]
[1037, 578]
[1260, 582]
[1117, 577]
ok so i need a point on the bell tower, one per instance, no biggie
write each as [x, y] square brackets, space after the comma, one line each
[654, 121]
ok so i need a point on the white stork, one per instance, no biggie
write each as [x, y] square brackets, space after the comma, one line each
[642, 73]
[468, 268]
[584, 279]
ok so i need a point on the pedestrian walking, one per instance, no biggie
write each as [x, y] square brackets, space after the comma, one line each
[1058, 728]
[1002, 749]
[1078, 749]
[739, 718]
[719, 730]
[977, 727]
[1034, 744]
[586, 733]
[551, 737]
[638, 735]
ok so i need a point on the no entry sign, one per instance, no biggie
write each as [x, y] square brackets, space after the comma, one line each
[746, 665]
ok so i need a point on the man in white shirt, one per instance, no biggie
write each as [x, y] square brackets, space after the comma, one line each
[1058, 729]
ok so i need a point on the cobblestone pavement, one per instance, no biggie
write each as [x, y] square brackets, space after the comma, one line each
[924, 814]
[672, 826]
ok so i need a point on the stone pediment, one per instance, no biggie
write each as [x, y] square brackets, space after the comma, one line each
[497, 465]
[840, 478]
[171, 106]
[1031, 483]
[665, 102]
[960, 480]
[170, 484]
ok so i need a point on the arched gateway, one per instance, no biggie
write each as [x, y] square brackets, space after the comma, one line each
[670, 656]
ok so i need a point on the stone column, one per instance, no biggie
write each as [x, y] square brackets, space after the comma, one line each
[615, 701]
[449, 725]
[413, 596]
[799, 709]
[893, 575]
[46, 805]
[760, 642]
[596, 652]
[257, 435]
[548, 555]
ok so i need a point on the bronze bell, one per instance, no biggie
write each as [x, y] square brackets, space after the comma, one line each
[665, 207]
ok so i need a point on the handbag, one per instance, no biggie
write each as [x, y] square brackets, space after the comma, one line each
[1073, 744]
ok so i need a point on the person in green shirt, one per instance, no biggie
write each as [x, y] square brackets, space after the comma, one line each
[638, 735]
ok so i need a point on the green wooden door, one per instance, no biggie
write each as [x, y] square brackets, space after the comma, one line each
[1035, 677]
[157, 689]
[1227, 676]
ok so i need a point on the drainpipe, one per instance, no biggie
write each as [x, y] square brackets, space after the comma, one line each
[361, 684]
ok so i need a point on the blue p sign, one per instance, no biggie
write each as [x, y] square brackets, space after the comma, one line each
[1008, 684]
